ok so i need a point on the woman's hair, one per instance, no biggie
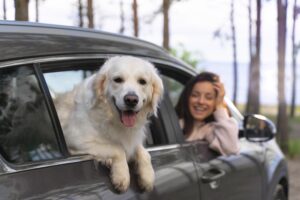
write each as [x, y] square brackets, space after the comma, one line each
[182, 107]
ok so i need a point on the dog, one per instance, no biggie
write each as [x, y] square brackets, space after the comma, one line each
[106, 115]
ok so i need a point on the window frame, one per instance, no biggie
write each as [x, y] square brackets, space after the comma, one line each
[53, 115]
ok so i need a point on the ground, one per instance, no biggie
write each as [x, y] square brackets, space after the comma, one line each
[294, 175]
[294, 164]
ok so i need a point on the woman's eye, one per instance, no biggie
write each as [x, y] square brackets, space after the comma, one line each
[209, 97]
[142, 81]
[194, 95]
[118, 80]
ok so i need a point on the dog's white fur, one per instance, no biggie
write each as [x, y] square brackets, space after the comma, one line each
[90, 117]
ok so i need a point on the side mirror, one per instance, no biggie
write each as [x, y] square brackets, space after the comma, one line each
[258, 128]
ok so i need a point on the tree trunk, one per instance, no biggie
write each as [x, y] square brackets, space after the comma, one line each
[135, 18]
[4, 9]
[21, 10]
[235, 68]
[37, 10]
[80, 14]
[90, 13]
[251, 47]
[254, 75]
[166, 34]
[294, 61]
[282, 122]
[122, 18]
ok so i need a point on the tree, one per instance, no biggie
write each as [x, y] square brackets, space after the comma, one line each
[235, 67]
[223, 34]
[90, 13]
[254, 68]
[21, 10]
[4, 9]
[185, 55]
[80, 13]
[296, 11]
[135, 18]
[164, 9]
[37, 13]
[37, 10]
[282, 122]
[122, 18]
[166, 34]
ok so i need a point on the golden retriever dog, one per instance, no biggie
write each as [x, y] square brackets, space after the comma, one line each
[105, 116]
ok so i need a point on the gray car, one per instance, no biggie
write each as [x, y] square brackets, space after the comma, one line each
[39, 61]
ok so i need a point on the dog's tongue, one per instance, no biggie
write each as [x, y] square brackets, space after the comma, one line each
[128, 118]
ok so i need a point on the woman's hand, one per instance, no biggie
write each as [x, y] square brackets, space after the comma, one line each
[219, 87]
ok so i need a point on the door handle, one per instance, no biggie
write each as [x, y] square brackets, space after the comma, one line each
[212, 175]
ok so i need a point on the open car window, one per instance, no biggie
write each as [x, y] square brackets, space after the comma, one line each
[175, 82]
[63, 77]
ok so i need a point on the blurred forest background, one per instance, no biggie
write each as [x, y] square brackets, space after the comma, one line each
[132, 19]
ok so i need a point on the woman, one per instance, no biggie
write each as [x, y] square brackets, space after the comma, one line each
[203, 114]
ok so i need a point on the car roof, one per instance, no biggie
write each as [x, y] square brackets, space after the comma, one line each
[21, 40]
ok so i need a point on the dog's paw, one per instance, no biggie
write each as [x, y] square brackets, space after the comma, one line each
[107, 162]
[146, 180]
[120, 182]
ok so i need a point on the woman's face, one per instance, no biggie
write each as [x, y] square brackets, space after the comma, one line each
[202, 101]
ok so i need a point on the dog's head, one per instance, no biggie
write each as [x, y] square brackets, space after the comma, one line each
[131, 86]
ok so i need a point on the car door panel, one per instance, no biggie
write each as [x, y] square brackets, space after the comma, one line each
[236, 177]
[175, 173]
[76, 180]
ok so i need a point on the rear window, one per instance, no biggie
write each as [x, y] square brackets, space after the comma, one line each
[26, 130]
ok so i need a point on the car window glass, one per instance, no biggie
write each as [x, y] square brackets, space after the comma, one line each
[64, 81]
[26, 130]
[174, 88]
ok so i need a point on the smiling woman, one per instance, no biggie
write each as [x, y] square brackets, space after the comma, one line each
[203, 114]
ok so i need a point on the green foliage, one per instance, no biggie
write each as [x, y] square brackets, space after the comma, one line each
[294, 148]
[182, 53]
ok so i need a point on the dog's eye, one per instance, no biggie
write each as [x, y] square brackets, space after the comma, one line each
[118, 80]
[142, 81]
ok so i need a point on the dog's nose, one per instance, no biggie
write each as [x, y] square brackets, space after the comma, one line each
[131, 100]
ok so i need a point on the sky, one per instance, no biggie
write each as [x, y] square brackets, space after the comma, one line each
[192, 24]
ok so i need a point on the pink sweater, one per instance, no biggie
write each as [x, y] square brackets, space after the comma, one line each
[221, 134]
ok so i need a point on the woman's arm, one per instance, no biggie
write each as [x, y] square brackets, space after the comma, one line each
[224, 135]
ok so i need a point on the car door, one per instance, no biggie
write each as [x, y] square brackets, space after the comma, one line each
[175, 172]
[232, 177]
[176, 175]
[228, 177]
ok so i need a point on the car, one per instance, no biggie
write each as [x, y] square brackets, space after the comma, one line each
[38, 61]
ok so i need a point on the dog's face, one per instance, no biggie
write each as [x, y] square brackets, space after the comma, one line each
[131, 86]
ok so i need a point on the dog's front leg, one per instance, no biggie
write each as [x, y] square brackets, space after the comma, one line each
[116, 157]
[119, 172]
[144, 169]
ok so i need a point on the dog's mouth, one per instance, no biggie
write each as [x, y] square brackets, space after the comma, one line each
[127, 117]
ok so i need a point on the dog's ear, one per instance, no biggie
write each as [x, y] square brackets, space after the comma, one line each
[102, 77]
[157, 93]
[99, 84]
